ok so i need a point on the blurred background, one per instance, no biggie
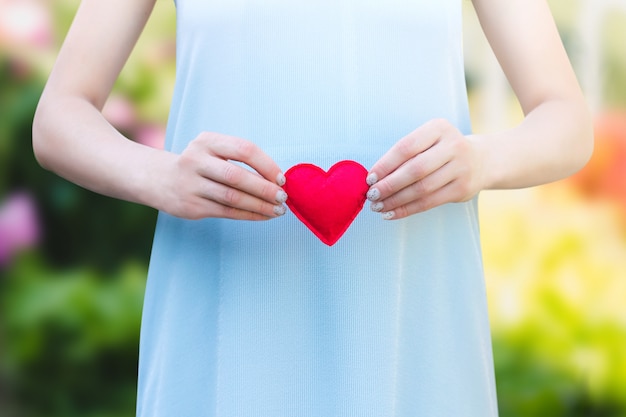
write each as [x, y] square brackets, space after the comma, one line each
[73, 264]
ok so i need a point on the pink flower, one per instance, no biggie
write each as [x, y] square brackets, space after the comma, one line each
[151, 135]
[19, 226]
[119, 111]
[25, 23]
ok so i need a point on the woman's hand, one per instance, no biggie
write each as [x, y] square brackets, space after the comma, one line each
[204, 181]
[436, 164]
[433, 165]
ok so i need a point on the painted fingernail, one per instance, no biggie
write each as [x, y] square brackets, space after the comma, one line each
[388, 215]
[279, 210]
[280, 179]
[377, 207]
[371, 179]
[281, 196]
[373, 194]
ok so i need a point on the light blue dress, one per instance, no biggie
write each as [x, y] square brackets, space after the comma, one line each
[262, 319]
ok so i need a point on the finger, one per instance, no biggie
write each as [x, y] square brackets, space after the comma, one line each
[241, 150]
[427, 202]
[199, 208]
[233, 213]
[237, 214]
[230, 197]
[406, 148]
[419, 189]
[236, 177]
[411, 173]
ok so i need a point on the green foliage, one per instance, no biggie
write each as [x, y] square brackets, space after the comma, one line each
[614, 60]
[69, 311]
[531, 382]
[70, 339]
[69, 314]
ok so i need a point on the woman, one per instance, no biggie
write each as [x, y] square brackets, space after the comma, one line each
[260, 318]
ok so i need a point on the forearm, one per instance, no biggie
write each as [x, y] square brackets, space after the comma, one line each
[554, 140]
[73, 139]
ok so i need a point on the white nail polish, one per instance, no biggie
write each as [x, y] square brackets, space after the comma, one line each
[388, 215]
[377, 207]
[280, 179]
[373, 194]
[371, 179]
[279, 210]
[281, 196]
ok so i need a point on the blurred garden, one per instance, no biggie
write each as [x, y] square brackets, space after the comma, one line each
[73, 264]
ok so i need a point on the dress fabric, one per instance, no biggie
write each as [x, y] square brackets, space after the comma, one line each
[261, 318]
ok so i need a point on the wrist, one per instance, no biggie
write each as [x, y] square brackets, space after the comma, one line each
[483, 163]
[153, 172]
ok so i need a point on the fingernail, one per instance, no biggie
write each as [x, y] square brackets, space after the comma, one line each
[373, 194]
[388, 215]
[279, 210]
[281, 196]
[377, 207]
[371, 179]
[280, 179]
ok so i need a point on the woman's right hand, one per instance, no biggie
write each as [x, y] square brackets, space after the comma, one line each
[73, 139]
[204, 181]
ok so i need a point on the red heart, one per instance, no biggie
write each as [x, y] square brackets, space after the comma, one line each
[327, 202]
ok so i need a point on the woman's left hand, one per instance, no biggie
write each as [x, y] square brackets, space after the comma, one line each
[433, 165]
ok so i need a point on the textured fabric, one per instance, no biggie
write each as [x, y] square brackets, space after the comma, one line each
[327, 202]
[261, 318]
